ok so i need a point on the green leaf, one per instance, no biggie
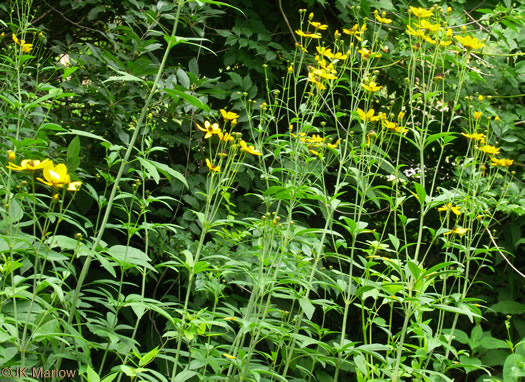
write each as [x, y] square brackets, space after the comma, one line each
[168, 172]
[184, 375]
[509, 307]
[489, 342]
[84, 134]
[421, 193]
[150, 169]
[73, 151]
[307, 307]
[92, 376]
[127, 256]
[124, 77]
[194, 101]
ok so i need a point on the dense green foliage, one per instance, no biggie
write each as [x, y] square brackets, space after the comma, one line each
[301, 190]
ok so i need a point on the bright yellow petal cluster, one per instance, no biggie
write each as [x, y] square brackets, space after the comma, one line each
[425, 25]
[420, 13]
[394, 126]
[449, 206]
[501, 162]
[229, 115]
[318, 25]
[249, 149]
[307, 34]
[458, 231]
[491, 150]
[356, 31]
[212, 167]
[381, 18]
[26, 48]
[470, 43]
[31, 165]
[476, 136]
[371, 86]
[368, 116]
[209, 129]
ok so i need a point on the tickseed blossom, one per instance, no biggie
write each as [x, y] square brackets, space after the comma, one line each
[458, 231]
[313, 78]
[249, 149]
[491, 150]
[419, 33]
[31, 165]
[229, 115]
[225, 137]
[11, 156]
[307, 34]
[371, 86]
[476, 136]
[470, 43]
[368, 116]
[209, 129]
[26, 48]
[318, 25]
[212, 167]
[229, 356]
[420, 13]
[382, 19]
[56, 176]
[356, 31]
[477, 115]
[449, 206]
[501, 162]
[74, 186]
[393, 126]
[425, 25]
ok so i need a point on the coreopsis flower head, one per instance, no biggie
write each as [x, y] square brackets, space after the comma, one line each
[74, 186]
[312, 78]
[425, 25]
[355, 31]
[470, 43]
[26, 48]
[31, 165]
[449, 206]
[491, 150]
[501, 162]
[11, 156]
[419, 33]
[229, 115]
[334, 145]
[56, 176]
[249, 149]
[365, 53]
[480, 98]
[225, 137]
[401, 115]
[458, 231]
[307, 34]
[477, 115]
[15, 39]
[368, 116]
[445, 43]
[371, 86]
[381, 18]
[318, 25]
[476, 136]
[209, 129]
[324, 74]
[212, 167]
[420, 13]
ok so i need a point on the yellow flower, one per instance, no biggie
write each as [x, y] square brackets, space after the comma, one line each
[11, 156]
[74, 186]
[307, 34]
[470, 43]
[312, 78]
[382, 19]
[449, 206]
[209, 129]
[476, 136]
[323, 74]
[31, 165]
[368, 116]
[425, 25]
[318, 25]
[445, 43]
[491, 150]
[56, 176]
[458, 231]
[449, 10]
[400, 115]
[229, 115]
[371, 86]
[419, 33]
[365, 53]
[501, 162]
[26, 48]
[449, 33]
[421, 13]
[212, 167]
[355, 31]
[15, 39]
[480, 98]
[249, 149]
[230, 318]
[229, 356]
[225, 137]
[334, 145]
[477, 115]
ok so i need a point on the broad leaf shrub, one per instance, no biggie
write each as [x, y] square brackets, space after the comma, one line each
[377, 291]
